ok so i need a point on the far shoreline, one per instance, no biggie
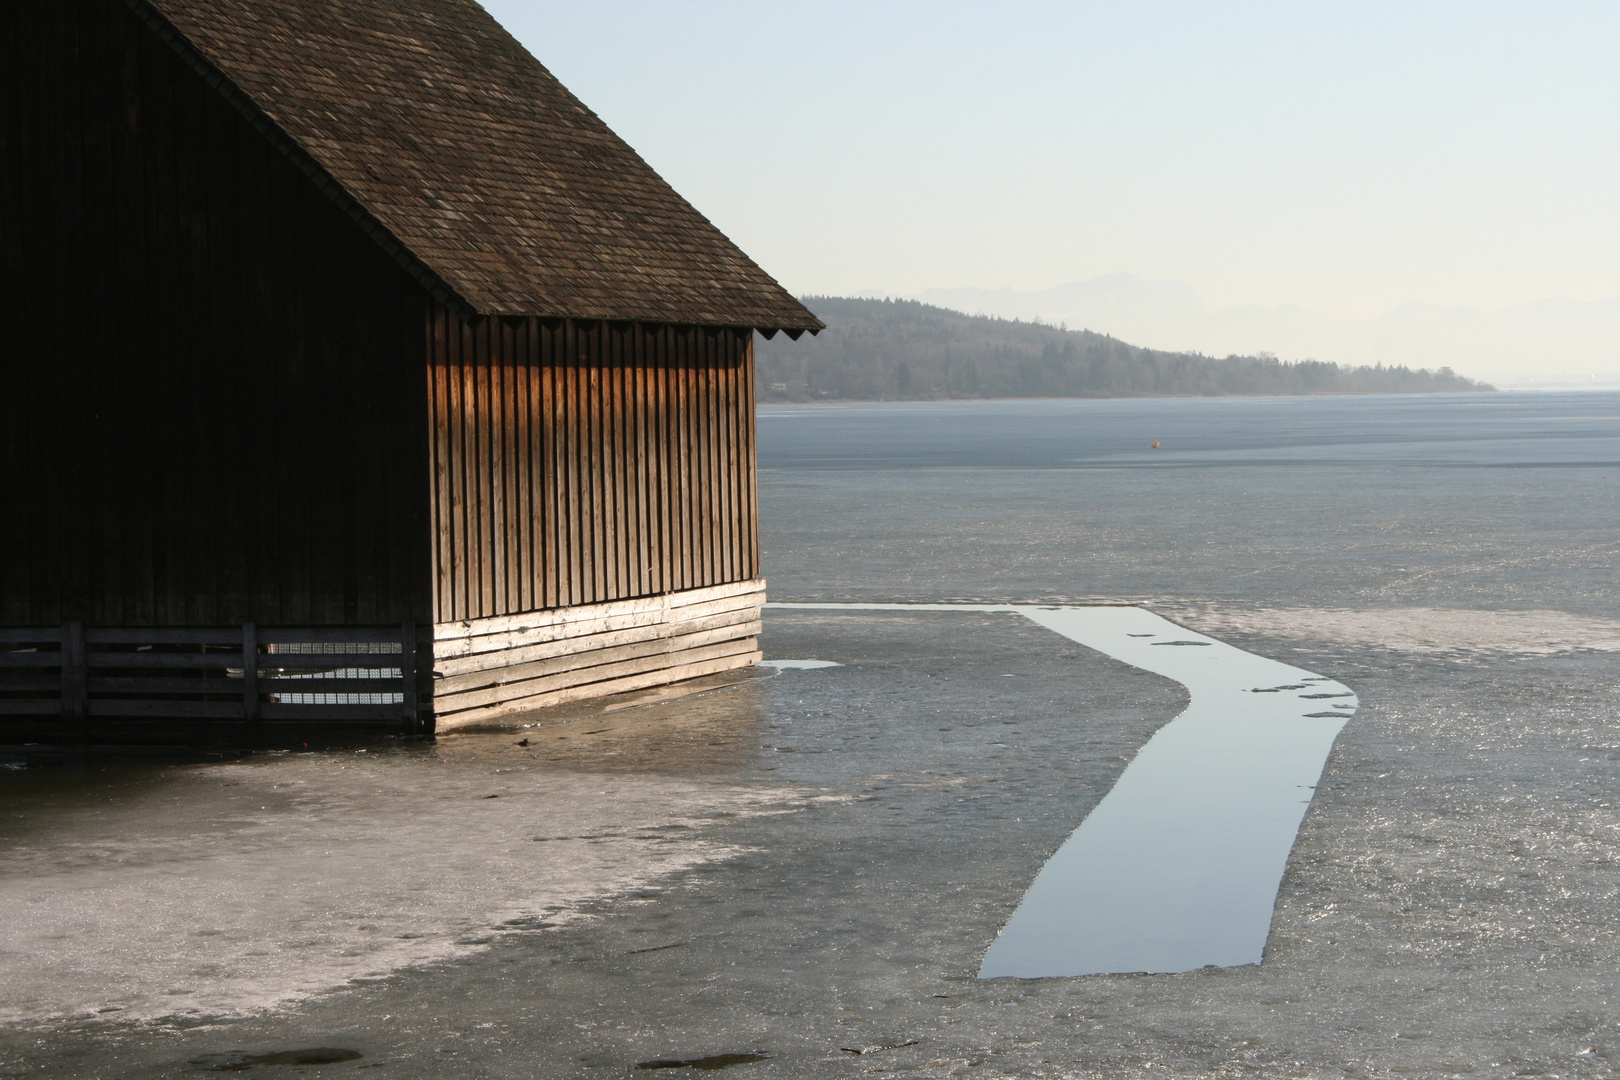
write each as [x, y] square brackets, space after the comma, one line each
[1487, 391]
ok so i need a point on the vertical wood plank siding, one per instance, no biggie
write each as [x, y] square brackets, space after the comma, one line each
[225, 410]
[585, 462]
[212, 385]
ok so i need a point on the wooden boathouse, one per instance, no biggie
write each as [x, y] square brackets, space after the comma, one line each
[355, 373]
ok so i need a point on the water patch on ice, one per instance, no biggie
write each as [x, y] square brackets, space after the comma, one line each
[1438, 631]
[1177, 868]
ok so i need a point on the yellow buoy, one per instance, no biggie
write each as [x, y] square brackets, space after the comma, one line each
[1155, 446]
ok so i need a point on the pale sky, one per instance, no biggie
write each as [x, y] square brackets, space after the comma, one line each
[1341, 158]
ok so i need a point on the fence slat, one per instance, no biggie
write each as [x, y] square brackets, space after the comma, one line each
[278, 711]
[385, 636]
[327, 662]
[50, 684]
[41, 634]
[163, 635]
[250, 683]
[30, 707]
[31, 660]
[407, 671]
[147, 684]
[215, 710]
[74, 696]
[390, 685]
[176, 661]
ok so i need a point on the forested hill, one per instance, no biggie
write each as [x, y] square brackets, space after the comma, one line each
[902, 349]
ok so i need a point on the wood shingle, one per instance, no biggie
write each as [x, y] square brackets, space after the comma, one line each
[471, 163]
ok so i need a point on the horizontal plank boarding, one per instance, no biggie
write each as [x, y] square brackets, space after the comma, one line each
[594, 619]
[473, 652]
[664, 661]
[619, 685]
[635, 644]
[736, 623]
[564, 687]
[576, 463]
[526, 620]
[448, 689]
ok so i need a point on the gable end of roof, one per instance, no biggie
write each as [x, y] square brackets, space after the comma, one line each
[468, 162]
[245, 106]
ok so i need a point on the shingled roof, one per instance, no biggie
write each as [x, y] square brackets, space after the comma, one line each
[470, 162]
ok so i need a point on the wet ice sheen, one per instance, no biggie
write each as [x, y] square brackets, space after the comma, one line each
[1178, 867]
[233, 888]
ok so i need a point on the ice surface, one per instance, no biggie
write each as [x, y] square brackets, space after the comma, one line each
[234, 887]
[1435, 631]
[1448, 909]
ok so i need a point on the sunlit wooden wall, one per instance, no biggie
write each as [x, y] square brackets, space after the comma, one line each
[583, 462]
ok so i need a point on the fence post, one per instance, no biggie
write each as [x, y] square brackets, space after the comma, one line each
[407, 674]
[250, 685]
[75, 690]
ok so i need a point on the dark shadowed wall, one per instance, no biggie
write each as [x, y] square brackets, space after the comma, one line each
[213, 398]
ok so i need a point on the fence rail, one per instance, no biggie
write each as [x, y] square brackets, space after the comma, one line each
[245, 685]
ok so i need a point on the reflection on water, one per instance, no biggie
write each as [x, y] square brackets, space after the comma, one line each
[711, 731]
[1177, 868]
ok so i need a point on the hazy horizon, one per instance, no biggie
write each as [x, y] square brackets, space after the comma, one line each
[1576, 337]
[1425, 184]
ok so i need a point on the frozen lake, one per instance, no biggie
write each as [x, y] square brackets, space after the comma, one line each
[814, 866]
[1499, 505]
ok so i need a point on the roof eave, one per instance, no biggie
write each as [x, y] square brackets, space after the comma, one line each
[769, 314]
[768, 323]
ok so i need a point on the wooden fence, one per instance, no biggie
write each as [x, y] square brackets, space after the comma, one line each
[243, 686]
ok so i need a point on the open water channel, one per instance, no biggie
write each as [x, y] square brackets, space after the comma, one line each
[803, 874]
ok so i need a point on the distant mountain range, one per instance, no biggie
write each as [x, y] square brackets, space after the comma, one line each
[907, 350]
[1557, 342]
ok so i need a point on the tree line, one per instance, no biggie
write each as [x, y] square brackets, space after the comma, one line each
[906, 350]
